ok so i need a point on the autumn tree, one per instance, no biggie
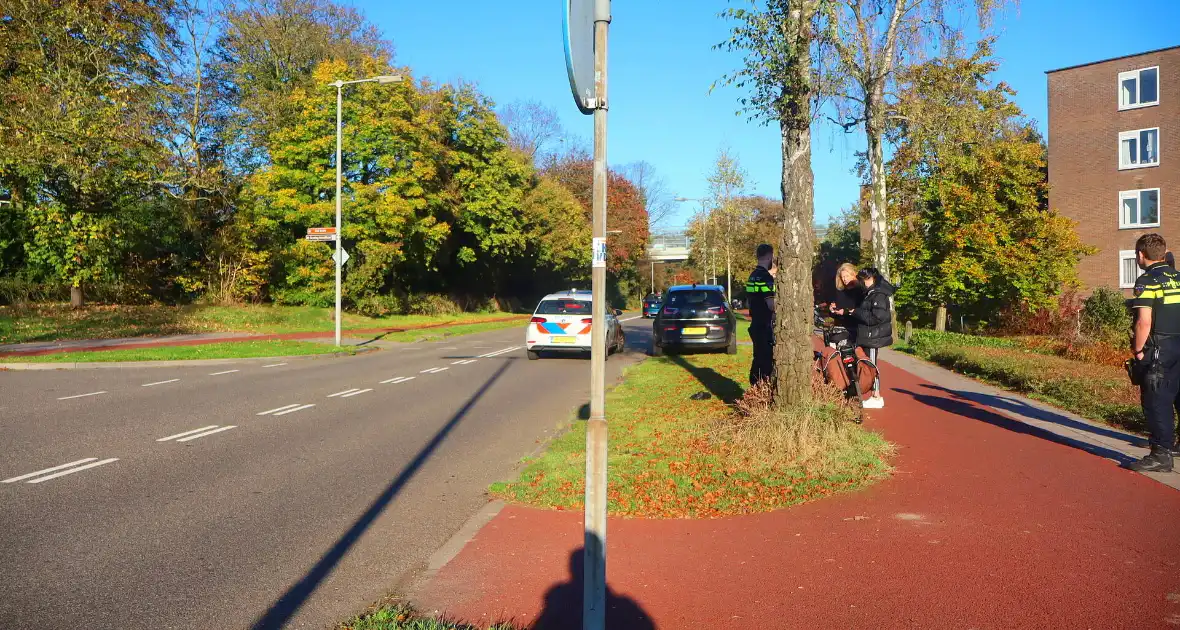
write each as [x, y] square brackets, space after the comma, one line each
[870, 41]
[625, 213]
[975, 229]
[268, 48]
[78, 89]
[777, 41]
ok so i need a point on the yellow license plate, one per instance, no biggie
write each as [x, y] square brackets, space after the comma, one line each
[694, 331]
[564, 339]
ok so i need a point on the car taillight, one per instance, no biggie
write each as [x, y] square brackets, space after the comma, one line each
[669, 328]
[538, 320]
[668, 310]
[717, 310]
[587, 320]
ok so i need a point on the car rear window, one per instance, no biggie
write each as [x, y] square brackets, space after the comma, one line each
[564, 307]
[696, 298]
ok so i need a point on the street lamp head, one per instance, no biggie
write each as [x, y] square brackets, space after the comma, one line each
[683, 199]
[389, 78]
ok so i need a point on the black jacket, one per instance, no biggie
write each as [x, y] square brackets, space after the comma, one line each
[847, 300]
[874, 318]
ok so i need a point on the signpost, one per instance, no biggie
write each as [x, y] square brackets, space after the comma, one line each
[327, 234]
[585, 28]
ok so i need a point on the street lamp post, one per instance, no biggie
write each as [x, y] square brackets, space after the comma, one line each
[339, 85]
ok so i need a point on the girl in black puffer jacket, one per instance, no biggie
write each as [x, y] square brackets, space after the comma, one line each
[874, 319]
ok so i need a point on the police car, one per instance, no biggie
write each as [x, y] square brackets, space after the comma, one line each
[561, 323]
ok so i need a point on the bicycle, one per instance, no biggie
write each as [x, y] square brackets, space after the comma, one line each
[854, 367]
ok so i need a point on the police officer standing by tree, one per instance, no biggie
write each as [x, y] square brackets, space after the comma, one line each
[760, 293]
[1155, 344]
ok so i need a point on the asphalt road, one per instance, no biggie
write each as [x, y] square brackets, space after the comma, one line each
[268, 496]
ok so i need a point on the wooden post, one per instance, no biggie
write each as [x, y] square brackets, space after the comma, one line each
[909, 331]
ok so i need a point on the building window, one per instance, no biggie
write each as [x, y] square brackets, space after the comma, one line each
[1139, 149]
[1139, 88]
[1128, 269]
[1139, 208]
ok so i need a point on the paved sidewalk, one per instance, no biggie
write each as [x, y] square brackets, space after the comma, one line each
[987, 522]
[367, 335]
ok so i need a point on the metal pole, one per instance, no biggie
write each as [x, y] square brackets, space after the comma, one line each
[339, 176]
[594, 594]
[653, 277]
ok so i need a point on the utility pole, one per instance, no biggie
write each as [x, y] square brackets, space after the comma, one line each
[594, 596]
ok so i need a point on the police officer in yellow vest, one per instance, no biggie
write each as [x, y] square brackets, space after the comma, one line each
[1155, 344]
[760, 294]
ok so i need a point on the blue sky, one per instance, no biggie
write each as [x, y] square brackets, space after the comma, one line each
[662, 64]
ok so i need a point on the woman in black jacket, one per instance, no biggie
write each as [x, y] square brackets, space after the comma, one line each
[874, 319]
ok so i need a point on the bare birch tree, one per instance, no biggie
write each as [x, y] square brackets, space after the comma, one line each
[872, 39]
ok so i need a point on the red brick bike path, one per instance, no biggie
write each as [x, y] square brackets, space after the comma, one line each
[133, 343]
[980, 526]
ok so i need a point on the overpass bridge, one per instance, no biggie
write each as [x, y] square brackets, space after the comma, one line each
[669, 247]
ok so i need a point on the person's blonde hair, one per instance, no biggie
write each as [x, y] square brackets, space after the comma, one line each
[840, 272]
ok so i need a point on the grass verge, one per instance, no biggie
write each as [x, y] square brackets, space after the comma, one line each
[673, 456]
[53, 322]
[399, 617]
[1092, 389]
[232, 350]
[433, 334]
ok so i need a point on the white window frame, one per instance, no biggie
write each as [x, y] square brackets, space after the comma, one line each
[1126, 254]
[1138, 194]
[1134, 134]
[1138, 88]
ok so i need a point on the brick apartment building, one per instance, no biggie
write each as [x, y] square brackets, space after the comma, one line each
[1114, 157]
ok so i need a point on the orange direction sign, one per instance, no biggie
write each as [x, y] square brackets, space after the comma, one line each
[321, 234]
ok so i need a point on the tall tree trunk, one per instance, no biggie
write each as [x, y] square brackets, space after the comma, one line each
[793, 290]
[77, 299]
[878, 212]
[940, 318]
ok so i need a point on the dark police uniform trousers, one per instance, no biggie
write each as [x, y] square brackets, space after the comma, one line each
[1159, 289]
[759, 288]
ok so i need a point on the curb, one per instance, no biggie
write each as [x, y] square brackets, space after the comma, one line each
[100, 365]
[406, 589]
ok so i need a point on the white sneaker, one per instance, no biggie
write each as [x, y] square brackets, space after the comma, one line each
[874, 402]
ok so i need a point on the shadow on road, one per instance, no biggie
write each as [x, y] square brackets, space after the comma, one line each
[1035, 413]
[291, 601]
[965, 409]
[720, 386]
[563, 604]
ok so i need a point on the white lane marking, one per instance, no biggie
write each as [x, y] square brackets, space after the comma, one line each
[398, 379]
[48, 470]
[294, 409]
[460, 362]
[74, 470]
[468, 361]
[630, 318]
[357, 393]
[499, 352]
[347, 391]
[429, 370]
[173, 437]
[201, 435]
[225, 372]
[268, 412]
[82, 395]
[449, 348]
[274, 365]
[159, 383]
